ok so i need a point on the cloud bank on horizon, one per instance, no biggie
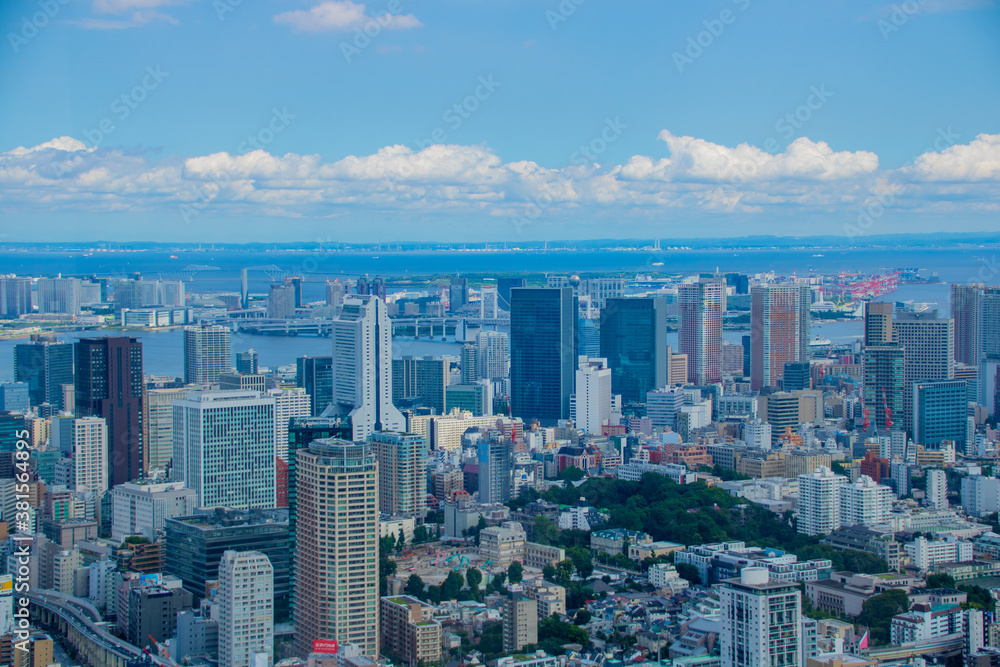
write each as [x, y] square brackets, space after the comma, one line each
[697, 176]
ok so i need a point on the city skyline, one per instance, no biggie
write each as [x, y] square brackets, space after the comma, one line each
[438, 123]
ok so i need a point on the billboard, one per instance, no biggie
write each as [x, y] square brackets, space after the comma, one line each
[149, 580]
[324, 646]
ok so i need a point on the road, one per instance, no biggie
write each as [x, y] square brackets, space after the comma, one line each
[86, 619]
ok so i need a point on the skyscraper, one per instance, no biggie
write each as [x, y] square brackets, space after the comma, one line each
[362, 367]
[542, 354]
[634, 341]
[206, 353]
[289, 403]
[495, 468]
[967, 312]
[991, 322]
[335, 291]
[592, 399]
[59, 295]
[878, 323]
[15, 296]
[160, 426]
[761, 621]
[469, 361]
[420, 379]
[928, 353]
[246, 362]
[700, 307]
[281, 301]
[779, 331]
[315, 375]
[246, 608]
[86, 441]
[493, 352]
[109, 384]
[819, 501]
[224, 448]
[402, 473]
[45, 364]
[940, 412]
[336, 545]
[937, 489]
[883, 385]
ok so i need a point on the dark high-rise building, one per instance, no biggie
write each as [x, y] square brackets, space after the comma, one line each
[991, 322]
[883, 385]
[700, 307]
[740, 282]
[779, 331]
[315, 375]
[634, 341]
[45, 365]
[458, 293]
[542, 352]
[12, 429]
[109, 385]
[940, 412]
[746, 356]
[421, 378]
[796, 376]
[195, 545]
[504, 285]
[246, 362]
[967, 311]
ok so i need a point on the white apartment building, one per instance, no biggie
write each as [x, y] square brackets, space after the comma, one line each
[246, 609]
[819, 501]
[865, 502]
[139, 508]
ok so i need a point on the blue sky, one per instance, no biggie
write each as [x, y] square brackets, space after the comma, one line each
[496, 119]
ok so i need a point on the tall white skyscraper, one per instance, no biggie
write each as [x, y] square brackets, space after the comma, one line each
[592, 400]
[59, 295]
[864, 502]
[206, 353]
[86, 441]
[362, 367]
[761, 621]
[160, 423]
[246, 608]
[288, 402]
[224, 448]
[937, 489]
[819, 501]
[493, 349]
[700, 306]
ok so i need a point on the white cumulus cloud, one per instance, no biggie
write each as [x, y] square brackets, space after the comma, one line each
[334, 15]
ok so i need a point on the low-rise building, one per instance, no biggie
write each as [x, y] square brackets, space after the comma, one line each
[863, 538]
[643, 550]
[615, 541]
[664, 575]
[926, 554]
[539, 555]
[924, 621]
[502, 544]
[409, 631]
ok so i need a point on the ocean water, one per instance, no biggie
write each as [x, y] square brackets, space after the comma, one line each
[162, 350]
[951, 264]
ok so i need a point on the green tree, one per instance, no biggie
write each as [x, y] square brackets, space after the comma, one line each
[689, 572]
[452, 585]
[571, 474]
[491, 641]
[878, 610]
[553, 634]
[400, 540]
[582, 617]
[940, 581]
[544, 531]
[582, 561]
[415, 586]
[474, 577]
[515, 572]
